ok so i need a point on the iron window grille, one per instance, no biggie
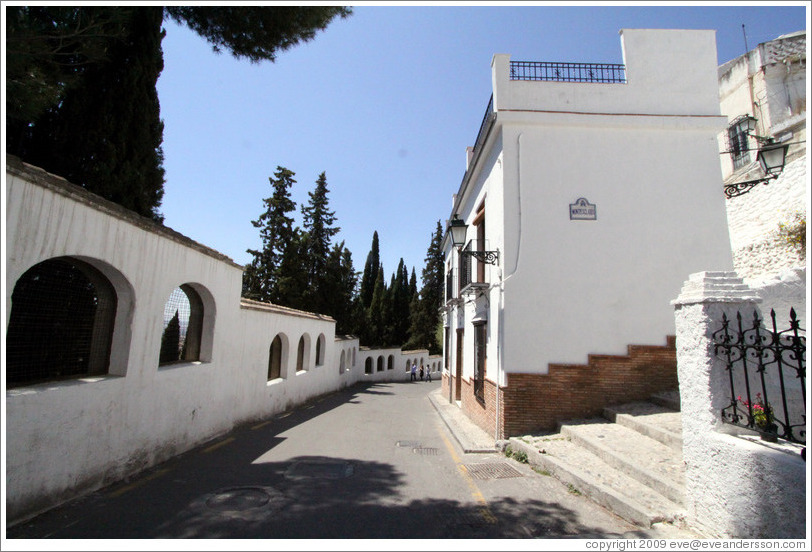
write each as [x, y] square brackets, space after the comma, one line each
[738, 143]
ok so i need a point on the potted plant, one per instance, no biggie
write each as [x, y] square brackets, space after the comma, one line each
[762, 417]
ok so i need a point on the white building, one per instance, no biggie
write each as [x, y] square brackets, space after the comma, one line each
[767, 85]
[598, 188]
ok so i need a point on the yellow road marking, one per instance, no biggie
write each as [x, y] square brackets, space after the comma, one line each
[138, 483]
[484, 510]
[217, 445]
[263, 424]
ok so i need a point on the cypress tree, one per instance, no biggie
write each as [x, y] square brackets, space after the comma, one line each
[370, 272]
[425, 314]
[276, 230]
[106, 133]
[376, 316]
[340, 290]
[170, 341]
[319, 230]
[291, 282]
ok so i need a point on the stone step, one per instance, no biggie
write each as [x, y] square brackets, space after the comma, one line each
[642, 458]
[668, 399]
[652, 420]
[584, 472]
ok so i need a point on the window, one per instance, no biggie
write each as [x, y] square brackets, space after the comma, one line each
[380, 364]
[320, 343]
[390, 362]
[300, 355]
[368, 366]
[275, 359]
[61, 323]
[464, 269]
[480, 362]
[183, 326]
[447, 350]
[341, 367]
[479, 222]
[738, 145]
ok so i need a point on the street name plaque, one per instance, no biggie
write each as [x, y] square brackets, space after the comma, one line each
[583, 210]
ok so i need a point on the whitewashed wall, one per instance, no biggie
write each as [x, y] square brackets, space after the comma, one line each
[68, 437]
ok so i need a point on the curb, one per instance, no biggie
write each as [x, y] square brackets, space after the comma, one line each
[467, 442]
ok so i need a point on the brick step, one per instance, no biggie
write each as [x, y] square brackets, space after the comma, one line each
[652, 420]
[587, 473]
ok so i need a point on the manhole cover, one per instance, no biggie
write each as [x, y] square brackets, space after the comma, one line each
[492, 471]
[238, 499]
[426, 451]
[320, 469]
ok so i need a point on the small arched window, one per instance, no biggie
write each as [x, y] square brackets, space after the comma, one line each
[300, 354]
[390, 362]
[368, 366]
[320, 345]
[341, 367]
[275, 359]
[183, 326]
[61, 323]
[380, 364]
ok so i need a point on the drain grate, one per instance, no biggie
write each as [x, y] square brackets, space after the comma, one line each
[408, 444]
[492, 471]
[320, 469]
[426, 451]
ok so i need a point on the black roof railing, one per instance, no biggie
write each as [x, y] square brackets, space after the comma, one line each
[568, 72]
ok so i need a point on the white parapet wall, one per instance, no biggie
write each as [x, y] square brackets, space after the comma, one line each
[67, 437]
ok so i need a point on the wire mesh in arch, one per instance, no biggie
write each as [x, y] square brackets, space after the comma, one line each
[177, 312]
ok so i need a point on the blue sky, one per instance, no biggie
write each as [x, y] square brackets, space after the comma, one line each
[385, 102]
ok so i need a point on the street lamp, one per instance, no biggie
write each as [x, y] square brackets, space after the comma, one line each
[458, 230]
[772, 156]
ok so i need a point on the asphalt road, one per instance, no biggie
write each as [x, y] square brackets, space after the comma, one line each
[373, 461]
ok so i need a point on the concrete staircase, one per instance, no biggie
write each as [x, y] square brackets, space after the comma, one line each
[629, 461]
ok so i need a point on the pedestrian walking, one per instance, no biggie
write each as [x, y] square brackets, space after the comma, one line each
[414, 372]
[421, 372]
[428, 375]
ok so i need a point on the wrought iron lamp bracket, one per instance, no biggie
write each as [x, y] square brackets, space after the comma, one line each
[741, 188]
[488, 257]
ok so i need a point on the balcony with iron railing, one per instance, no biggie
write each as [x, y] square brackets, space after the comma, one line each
[471, 271]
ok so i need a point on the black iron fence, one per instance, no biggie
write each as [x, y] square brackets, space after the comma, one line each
[568, 72]
[766, 370]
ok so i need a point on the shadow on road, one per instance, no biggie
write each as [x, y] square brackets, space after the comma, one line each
[223, 490]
